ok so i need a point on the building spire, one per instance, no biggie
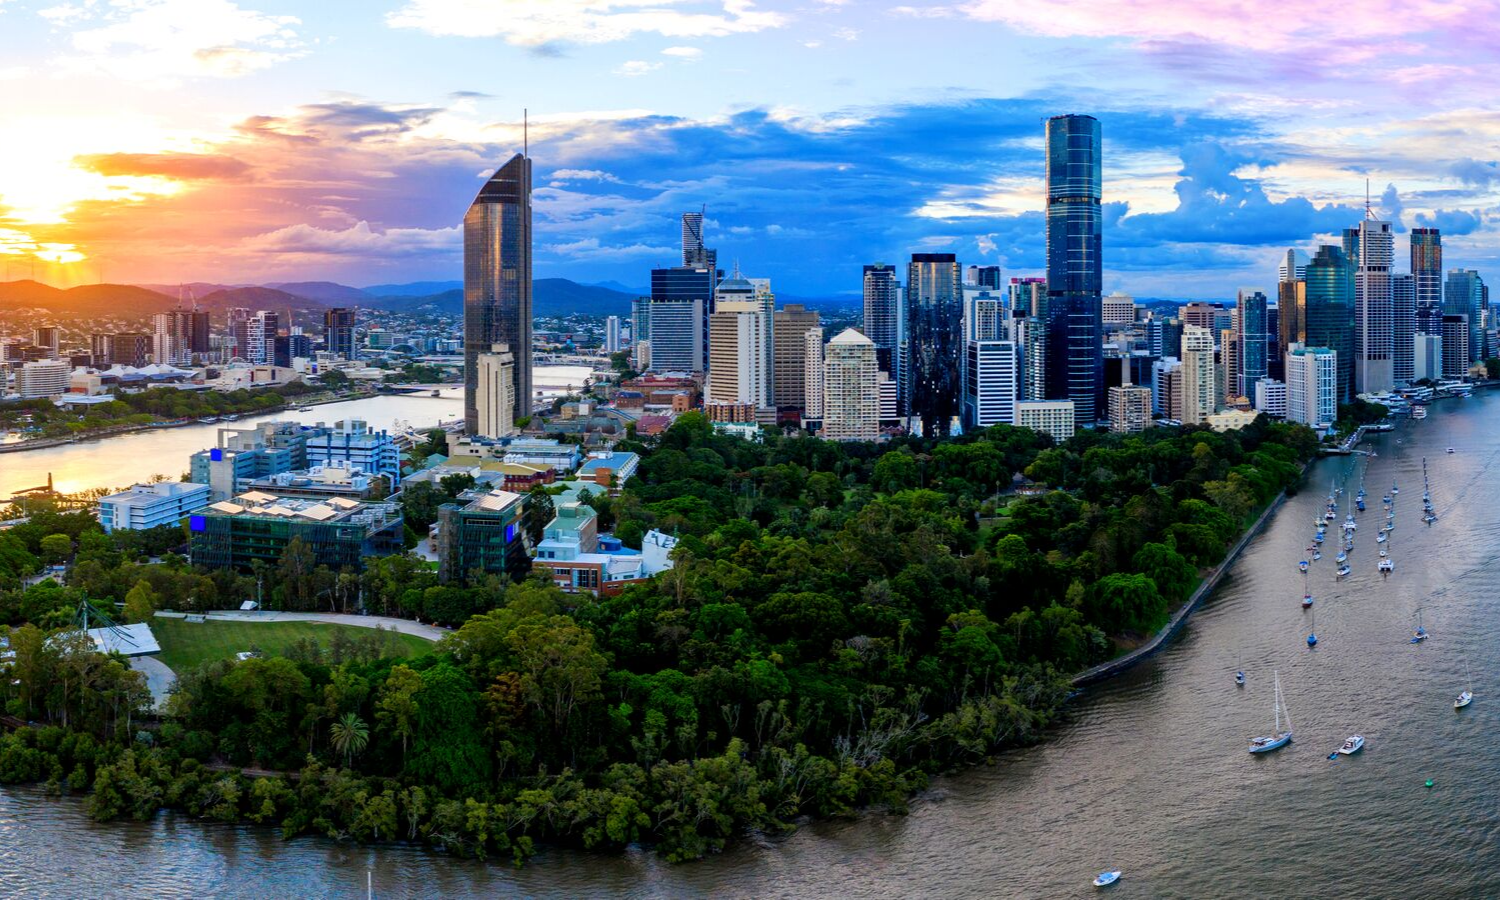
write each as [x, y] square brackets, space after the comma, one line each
[1369, 213]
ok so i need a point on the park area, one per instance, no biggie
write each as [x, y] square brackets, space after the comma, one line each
[185, 644]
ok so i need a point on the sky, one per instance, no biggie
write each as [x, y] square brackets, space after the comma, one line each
[240, 141]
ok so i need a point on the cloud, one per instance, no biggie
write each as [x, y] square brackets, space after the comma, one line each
[924, 12]
[683, 52]
[592, 250]
[357, 240]
[1451, 221]
[179, 166]
[636, 67]
[163, 41]
[537, 23]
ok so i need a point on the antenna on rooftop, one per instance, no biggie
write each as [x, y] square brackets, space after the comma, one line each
[526, 132]
[1369, 213]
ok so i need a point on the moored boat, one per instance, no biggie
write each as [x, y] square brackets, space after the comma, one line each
[1277, 738]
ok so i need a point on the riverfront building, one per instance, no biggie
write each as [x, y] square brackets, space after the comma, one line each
[146, 506]
[1312, 386]
[497, 282]
[233, 534]
[1075, 359]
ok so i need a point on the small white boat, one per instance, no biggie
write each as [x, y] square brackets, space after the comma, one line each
[1386, 566]
[1317, 555]
[1106, 879]
[1466, 696]
[1353, 745]
[1343, 571]
[1342, 557]
[1278, 738]
[1380, 538]
[1420, 634]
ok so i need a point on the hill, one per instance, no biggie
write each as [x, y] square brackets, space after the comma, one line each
[324, 291]
[412, 289]
[256, 298]
[549, 297]
[86, 300]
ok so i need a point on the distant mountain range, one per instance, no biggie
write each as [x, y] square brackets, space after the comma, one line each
[550, 297]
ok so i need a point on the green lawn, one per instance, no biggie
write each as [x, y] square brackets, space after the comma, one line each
[185, 644]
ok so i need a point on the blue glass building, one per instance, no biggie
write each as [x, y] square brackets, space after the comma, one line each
[1075, 359]
[1328, 312]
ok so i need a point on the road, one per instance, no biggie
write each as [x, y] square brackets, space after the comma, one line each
[405, 626]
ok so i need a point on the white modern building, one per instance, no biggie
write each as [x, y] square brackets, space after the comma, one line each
[1374, 321]
[1312, 386]
[812, 343]
[1199, 392]
[1054, 417]
[851, 388]
[991, 383]
[495, 392]
[44, 378]
[355, 442]
[1427, 357]
[146, 506]
[1270, 397]
[1118, 309]
[612, 334]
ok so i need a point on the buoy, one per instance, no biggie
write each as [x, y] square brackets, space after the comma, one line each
[1429, 782]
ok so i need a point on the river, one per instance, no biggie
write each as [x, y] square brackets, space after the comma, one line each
[121, 460]
[1148, 773]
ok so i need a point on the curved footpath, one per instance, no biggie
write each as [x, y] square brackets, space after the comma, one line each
[405, 626]
[1119, 664]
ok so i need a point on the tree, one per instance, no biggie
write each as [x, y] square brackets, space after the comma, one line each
[296, 570]
[349, 735]
[397, 707]
[140, 602]
[539, 512]
[56, 548]
[558, 663]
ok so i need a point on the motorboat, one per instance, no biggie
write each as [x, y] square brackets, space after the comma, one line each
[1307, 600]
[1318, 538]
[1239, 678]
[1343, 571]
[1381, 538]
[1302, 565]
[1105, 879]
[1463, 699]
[1360, 504]
[1394, 490]
[1317, 555]
[1386, 566]
[1353, 745]
[1278, 738]
[1342, 557]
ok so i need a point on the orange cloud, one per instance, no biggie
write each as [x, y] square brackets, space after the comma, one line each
[178, 166]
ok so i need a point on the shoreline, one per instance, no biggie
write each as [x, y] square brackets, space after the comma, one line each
[116, 430]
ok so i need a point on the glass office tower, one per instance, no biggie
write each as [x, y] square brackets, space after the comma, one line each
[1329, 312]
[497, 281]
[934, 339]
[1075, 359]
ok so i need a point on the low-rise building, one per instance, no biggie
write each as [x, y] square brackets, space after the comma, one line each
[354, 442]
[609, 470]
[233, 534]
[1054, 417]
[146, 506]
[43, 378]
[539, 452]
[337, 478]
[580, 560]
[1231, 419]
[484, 531]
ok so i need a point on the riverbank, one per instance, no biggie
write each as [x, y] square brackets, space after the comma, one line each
[116, 430]
[1119, 664]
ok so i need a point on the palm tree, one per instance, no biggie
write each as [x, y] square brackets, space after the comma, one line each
[349, 736]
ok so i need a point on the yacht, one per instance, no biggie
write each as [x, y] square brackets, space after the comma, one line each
[1353, 745]
[1342, 557]
[1420, 634]
[1278, 738]
[1380, 538]
[1344, 570]
[1106, 879]
[1386, 566]
[1317, 555]
[1466, 696]
[1239, 678]
[1359, 504]
[1302, 565]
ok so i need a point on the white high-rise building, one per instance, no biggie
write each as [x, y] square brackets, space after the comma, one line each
[1270, 397]
[812, 344]
[44, 378]
[1129, 409]
[612, 334]
[1427, 357]
[495, 392]
[991, 382]
[851, 388]
[1374, 250]
[1312, 386]
[1199, 396]
[1118, 309]
[739, 357]
[1034, 349]
[261, 336]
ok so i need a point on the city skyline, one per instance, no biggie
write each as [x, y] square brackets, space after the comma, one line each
[258, 141]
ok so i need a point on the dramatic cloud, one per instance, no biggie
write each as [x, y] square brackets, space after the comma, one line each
[358, 240]
[535, 23]
[178, 166]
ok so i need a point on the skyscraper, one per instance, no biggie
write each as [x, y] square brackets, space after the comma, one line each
[1403, 328]
[612, 334]
[986, 278]
[1372, 249]
[1329, 312]
[1291, 310]
[789, 355]
[851, 395]
[1199, 396]
[261, 330]
[338, 331]
[1312, 386]
[676, 327]
[934, 339]
[882, 316]
[812, 360]
[739, 354]
[1463, 295]
[1427, 270]
[497, 282]
[683, 284]
[1075, 360]
[694, 254]
[1253, 341]
[991, 382]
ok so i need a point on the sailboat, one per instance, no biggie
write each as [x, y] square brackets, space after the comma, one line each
[1466, 696]
[1420, 634]
[1312, 636]
[1278, 738]
[1306, 594]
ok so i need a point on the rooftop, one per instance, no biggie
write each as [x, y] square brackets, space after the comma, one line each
[337, 509]
[147, 494]
[614, 461]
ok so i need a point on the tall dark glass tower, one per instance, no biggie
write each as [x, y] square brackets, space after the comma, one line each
[882, 316]
[1329, 312]
[1427, 271]
[934, 339]
[497, 281]
[1075, 358]
[1255, 338]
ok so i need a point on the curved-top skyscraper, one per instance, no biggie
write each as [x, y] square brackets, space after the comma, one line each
[1075, 228]
[497, 281]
